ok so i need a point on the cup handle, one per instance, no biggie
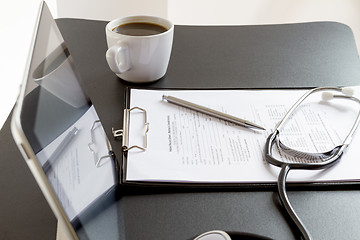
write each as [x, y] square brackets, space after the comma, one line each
[118, 58]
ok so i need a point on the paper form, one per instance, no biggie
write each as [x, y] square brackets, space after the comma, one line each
[188, 146]
[74, 177]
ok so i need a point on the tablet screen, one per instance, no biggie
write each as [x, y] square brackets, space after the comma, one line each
[62, 127]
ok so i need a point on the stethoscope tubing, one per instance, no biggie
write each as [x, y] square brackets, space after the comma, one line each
[286, 203]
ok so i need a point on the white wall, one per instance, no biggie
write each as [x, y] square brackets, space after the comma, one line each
[17, 20]
[260, 11]
[247, 12]
[109, 9]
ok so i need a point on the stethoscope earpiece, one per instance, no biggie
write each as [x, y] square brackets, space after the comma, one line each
[327, 96]
[347, 91]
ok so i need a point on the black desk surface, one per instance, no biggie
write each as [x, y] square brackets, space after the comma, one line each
[301, 55]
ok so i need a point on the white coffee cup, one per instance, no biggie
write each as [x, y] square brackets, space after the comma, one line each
[139, 59]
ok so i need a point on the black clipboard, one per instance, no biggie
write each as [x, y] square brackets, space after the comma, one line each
[341, 184]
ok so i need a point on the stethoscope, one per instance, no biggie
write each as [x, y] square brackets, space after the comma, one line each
[317, 160]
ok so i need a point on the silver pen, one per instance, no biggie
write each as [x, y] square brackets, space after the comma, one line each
[211, 112]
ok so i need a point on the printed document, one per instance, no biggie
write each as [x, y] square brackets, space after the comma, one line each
[188, 146]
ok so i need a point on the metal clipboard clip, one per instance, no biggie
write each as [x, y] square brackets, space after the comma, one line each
[124, 133]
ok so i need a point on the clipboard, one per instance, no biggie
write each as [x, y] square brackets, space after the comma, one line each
[122, 136]
[142, 146]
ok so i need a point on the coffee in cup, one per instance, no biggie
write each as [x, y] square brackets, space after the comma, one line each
[139, 47]
[139, 29]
